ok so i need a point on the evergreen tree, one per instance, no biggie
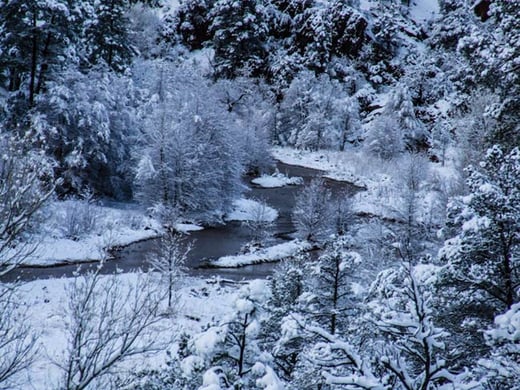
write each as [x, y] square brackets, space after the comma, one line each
[86, 122]
[36, 38]
[501, 369]
[331, 299]
[107, 36]
[483, 257]
[192, 22]
[239, 32]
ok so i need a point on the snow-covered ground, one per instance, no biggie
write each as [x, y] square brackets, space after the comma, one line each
[46, 302]
[75, 231]
[263, 255]
[335, 164]
[277, 179]
[251, 210]
[187, 227]
[384, 181]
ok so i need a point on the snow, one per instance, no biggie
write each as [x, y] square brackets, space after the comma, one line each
[205, 342]
[276, 180]
[334, 164]
[251, 210]
[424, 10]
[187, 227]
[112, 227]
[426, 274]
[45, 302]
[269, 381]
[263, 255]
[507, 325]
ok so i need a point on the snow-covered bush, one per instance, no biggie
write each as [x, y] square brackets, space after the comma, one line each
[79, 218]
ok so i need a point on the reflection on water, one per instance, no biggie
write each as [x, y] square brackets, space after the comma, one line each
[208, 244]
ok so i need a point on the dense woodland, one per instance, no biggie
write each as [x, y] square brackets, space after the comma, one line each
[172, 105]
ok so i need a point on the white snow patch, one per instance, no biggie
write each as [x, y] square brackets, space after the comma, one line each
[251, 210]
[276, 180]
[113, 227]
[424, 10]
[336, 165]
[46, 301]
[187, 227]
[263, 255]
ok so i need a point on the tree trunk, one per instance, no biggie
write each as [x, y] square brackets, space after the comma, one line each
[34, 55]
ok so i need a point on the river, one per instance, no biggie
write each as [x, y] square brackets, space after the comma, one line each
[209, 243]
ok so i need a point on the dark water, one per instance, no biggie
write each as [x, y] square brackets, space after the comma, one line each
[210, 243]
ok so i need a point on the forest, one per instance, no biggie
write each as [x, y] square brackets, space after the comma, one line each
[259, 194]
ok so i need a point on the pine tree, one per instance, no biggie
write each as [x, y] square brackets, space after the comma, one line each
[192, 23]
[107, 37]
[332, 300]
[239, 33]
[36, 38]
[501, 369]
[483, 258]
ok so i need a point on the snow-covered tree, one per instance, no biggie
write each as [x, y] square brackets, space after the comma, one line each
[412, 352]
[410, 208]
[482, 259]
[107, 36]
[286, 286]
[312, 213]
[502, 367]
[492, 53]
[328, 293]
[238, 29]
[384, 138]
[86, 122]
[250, 105]
[36, 39]
[170, 262]
[189, 159]
[399, 120]
[229, 350]
[317, 113]
[18, 341]
[192, 22]
[108, 321]
[26, 183]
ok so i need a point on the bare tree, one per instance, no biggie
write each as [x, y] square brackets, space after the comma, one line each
[109, 321]
[312, 213]
[413, 229]
[22, 194]
[17, 340]
[170, 261]
[259, 224]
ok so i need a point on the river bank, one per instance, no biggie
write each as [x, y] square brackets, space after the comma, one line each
[207, 244]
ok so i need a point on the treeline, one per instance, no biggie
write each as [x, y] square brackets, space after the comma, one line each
[75, 83]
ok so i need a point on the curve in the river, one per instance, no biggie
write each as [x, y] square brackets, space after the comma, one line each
[209, 243]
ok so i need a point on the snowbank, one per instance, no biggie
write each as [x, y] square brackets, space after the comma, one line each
[187, 227]
[276, 180]
[92, 248]
[251, 210]
[336, 165]
[263, 255]
[46, 300]
[384, 181]
[74, 231]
